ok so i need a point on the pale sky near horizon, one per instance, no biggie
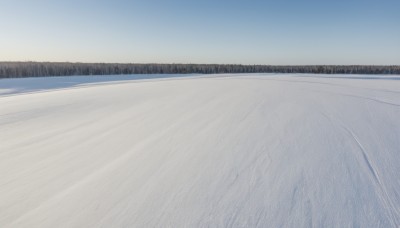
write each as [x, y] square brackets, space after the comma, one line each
[239, 32]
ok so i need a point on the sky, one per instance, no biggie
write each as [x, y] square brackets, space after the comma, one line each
[285, 32]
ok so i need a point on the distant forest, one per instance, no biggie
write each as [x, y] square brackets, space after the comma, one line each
[44, 69]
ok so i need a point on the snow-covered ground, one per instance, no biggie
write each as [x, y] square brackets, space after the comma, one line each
[211, 151]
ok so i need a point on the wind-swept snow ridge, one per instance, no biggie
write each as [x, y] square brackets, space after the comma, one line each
[256, 150]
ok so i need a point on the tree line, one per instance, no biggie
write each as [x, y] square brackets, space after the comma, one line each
[44, 69]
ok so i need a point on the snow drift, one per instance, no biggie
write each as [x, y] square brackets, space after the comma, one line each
[218, 151]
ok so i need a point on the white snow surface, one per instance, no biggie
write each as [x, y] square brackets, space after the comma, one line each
[255, 150]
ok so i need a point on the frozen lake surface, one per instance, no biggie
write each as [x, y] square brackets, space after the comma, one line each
[256, 150]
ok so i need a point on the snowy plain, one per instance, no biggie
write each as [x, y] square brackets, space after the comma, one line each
[255, 150]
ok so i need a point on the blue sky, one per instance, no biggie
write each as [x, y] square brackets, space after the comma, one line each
[246, 32]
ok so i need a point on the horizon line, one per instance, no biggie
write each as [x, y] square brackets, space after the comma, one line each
[231, 64]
